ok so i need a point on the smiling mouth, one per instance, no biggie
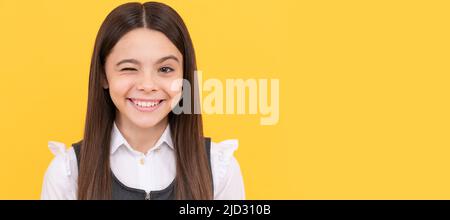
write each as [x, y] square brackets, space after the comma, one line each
[146, 103]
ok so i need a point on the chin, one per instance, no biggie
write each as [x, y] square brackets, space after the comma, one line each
[147, 123]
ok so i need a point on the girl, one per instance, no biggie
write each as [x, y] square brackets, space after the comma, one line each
[134, 145]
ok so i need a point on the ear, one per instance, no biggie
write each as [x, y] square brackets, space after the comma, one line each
[105, 83]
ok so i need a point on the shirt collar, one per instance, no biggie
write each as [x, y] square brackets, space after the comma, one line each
[118, 140]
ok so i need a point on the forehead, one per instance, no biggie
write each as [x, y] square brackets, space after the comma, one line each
[144, 45]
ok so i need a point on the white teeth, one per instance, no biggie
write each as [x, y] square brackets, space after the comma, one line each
[145, 104]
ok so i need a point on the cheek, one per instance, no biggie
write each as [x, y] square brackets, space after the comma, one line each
[118, 90]
[173, 87]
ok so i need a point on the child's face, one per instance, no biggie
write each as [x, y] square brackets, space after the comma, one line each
[142, 70]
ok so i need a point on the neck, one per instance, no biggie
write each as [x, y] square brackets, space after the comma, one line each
[141, 139]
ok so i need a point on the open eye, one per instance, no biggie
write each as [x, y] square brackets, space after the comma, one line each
[128, 69]
[165, 69]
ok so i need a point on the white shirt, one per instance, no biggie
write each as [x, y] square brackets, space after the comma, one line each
[152, 171]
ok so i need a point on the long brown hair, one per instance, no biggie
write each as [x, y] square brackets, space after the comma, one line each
[193, 178]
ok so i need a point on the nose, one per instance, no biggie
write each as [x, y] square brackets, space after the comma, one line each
[147, 82]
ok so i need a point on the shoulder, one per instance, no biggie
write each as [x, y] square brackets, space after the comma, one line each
[60, 179]
[222, 154]
[227, 176]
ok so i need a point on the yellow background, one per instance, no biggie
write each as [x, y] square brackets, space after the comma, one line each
[364, 91]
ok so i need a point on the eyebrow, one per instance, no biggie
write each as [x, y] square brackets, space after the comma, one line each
[168, 58]
[128, 61]
[134, 61]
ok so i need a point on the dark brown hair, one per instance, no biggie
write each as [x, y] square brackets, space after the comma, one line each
[193, 178]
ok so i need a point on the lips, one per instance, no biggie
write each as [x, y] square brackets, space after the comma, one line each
[146, 104]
